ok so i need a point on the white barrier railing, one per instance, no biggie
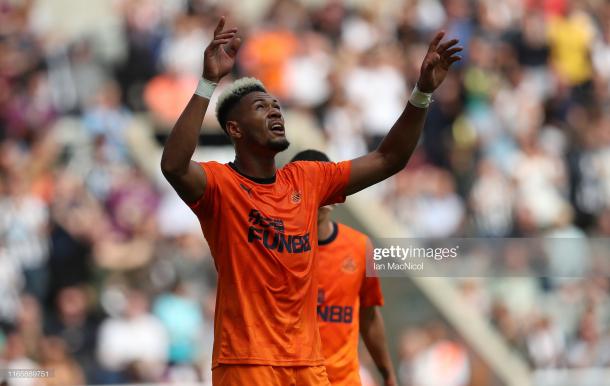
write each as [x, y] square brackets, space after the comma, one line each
[572, 377]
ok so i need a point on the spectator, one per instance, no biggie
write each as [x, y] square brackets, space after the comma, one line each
[592, 348]
[74, 331]
[24, 225]
[182, 319]
[15, 357]
[546, 344]
[136, 341]
[55, 356]
[107, 122]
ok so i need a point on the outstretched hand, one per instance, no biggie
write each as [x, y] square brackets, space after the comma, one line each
[219, 56]
[436, 64]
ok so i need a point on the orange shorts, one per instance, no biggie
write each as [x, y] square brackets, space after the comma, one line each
[261, 375]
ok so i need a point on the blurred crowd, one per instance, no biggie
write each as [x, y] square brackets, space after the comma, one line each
[103, 273]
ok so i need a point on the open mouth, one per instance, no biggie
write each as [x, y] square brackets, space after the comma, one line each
[277, 128]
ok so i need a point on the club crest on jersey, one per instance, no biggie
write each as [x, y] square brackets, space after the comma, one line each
[349, 265]
[295, 197]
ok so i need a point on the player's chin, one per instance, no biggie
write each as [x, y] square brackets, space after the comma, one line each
[278, 144]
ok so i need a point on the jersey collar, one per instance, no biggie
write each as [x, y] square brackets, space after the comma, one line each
[258, 180]
[332, 236]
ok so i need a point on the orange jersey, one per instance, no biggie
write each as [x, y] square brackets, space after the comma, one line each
[343, 289]
[261, 375]
[263, 237]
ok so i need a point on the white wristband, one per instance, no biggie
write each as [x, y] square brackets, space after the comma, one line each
[420, 99]
[205, 88]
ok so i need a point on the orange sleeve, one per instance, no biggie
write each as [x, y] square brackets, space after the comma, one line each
[370, 291]
[205, 202]
[329, 178]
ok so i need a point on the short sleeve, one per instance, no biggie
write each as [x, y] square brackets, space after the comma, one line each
[370, 290]
[329, 178]
[204, 203]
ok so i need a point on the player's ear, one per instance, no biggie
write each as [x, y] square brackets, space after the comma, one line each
[233, 130]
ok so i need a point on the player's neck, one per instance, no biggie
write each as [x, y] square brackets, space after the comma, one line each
[255, 166]
[325, 229]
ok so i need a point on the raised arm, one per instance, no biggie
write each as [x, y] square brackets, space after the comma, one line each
[396, 148]
[185, 175]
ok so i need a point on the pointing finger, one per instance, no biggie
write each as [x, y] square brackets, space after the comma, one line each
[219, 26]
[437, 38]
